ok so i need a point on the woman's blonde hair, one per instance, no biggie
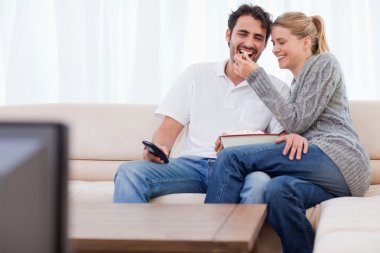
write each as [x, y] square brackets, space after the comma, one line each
[301, 26]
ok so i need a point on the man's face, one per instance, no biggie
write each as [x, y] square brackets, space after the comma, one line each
[248, 37]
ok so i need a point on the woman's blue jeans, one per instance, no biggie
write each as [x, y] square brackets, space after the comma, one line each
[295, 186]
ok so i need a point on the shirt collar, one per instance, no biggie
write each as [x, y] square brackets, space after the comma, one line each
[220, 67]
[220, 71]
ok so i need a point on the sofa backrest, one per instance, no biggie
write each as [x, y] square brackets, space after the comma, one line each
[366, 121]
[97, 131]
[101, 136]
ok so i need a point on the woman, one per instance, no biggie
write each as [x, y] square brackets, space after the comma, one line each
[336, 163]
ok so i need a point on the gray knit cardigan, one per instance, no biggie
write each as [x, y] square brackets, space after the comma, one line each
[318, 110]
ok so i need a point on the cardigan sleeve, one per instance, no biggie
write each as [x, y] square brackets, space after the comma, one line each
[317, 83]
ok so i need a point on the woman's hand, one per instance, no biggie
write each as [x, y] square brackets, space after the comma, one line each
[295, 143]
[243, 66]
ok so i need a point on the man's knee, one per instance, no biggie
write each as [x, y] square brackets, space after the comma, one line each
[130, 183]
[257, 177]
[130, 171]
[254, 188]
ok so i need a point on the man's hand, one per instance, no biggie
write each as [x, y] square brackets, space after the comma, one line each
[218, 146]
[150, 157]
[295, 143]
[243, 66]
[166, 134]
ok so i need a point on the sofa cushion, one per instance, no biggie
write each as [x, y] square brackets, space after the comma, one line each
[365, 119]
[374, 190]
[102, 191]
[91, 170]
[96, 131]
[375, 171]
[90, 192]
[349, 225]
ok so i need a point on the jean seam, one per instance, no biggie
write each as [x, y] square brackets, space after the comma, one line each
[292, 184]
[223, 186]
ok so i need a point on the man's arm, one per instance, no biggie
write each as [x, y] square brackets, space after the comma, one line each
[164, 137]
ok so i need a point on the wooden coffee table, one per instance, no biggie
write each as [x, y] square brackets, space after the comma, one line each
[165, 227]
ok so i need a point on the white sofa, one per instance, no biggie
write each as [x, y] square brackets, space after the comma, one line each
[101, 136]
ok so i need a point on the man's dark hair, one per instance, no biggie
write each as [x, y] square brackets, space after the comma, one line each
[254, 11]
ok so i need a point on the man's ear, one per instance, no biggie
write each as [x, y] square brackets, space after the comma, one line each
[228, 36]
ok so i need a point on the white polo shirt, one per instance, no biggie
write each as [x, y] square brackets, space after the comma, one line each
[207, 103]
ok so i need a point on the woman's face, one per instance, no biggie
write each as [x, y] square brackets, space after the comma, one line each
[290, 51]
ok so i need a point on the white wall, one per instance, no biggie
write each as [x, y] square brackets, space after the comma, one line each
[130, 51]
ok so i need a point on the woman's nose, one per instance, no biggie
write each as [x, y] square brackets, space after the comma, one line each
[275, 49]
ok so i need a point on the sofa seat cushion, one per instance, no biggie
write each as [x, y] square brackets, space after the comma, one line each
[349, 225]
[90, 192]
[102, 191]
[374, 190]
[180, 198]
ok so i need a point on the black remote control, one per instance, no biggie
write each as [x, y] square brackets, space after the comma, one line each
[152, 148]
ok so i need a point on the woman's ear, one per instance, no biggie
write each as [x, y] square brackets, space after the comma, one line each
[307, 43]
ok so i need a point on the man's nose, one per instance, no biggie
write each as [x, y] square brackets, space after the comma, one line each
[251, 42]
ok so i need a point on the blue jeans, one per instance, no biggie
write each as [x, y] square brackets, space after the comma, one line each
[254, 187]
[295, 186]
[139, 181]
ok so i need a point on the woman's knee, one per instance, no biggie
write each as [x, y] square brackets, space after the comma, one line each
[231, 158]
[228, 153]
[278, 188]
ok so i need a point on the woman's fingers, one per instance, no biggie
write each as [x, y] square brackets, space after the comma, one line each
[288, 145]
[305, 146]
[296, 144]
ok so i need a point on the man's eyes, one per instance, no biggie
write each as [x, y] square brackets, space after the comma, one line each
[258, 38]
[243, 34]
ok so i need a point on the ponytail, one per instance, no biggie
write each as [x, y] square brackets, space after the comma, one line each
[321, 45]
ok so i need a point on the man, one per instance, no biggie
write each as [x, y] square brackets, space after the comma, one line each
[208, 99]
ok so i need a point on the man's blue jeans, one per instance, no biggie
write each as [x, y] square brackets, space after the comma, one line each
[255, 184]
[139, 181]
[295, 186]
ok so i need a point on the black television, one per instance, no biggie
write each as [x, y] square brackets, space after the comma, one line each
[33, 187]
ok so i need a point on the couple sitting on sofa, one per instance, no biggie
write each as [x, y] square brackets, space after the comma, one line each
[237, 95]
